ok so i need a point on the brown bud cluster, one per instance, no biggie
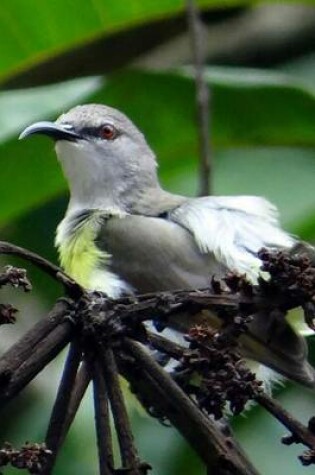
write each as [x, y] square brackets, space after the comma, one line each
[308, 457]
[7, 313]
[294, 272]
[31, 457]
[214, 373]
[15, 277]
[293, 276]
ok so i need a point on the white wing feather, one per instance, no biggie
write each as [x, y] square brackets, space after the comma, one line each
[233, 229]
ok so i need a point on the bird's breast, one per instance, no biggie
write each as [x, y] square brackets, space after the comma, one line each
[82, 259]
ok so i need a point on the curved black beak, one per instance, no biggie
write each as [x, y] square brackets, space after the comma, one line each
[55, 131]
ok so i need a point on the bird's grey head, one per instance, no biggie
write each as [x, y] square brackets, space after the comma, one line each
[105, 158]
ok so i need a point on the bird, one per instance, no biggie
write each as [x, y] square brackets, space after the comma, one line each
[123, 233]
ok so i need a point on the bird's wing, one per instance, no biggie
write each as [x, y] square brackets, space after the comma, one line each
[153, 254]
[233, 229]
[268, 341]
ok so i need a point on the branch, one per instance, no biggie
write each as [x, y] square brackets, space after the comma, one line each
[102, 423]
[66, 407]
[24, 360]
[148, 378]
[171, 349]
[71, 287]
[81, 384]
[59, 412]
[129, 456]
[299, 432]
[212, 354]
[202, 96]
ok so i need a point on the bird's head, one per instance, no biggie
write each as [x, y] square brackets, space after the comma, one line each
[105, 157]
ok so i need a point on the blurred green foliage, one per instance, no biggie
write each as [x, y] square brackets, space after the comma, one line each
[262, 132]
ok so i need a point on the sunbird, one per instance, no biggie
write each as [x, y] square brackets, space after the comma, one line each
[122, 232]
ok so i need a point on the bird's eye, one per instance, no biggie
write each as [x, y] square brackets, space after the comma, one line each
[108, 132]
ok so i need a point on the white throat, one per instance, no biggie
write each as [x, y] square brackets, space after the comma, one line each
[91, 187]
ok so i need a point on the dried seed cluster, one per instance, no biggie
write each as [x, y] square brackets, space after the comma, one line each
[7, 313]
[31, 457]
[294, 272]
[214, 373]
[292, 275]
[15, 277]
[212, 370]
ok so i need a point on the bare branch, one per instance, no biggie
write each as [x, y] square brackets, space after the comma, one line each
[147, 377]
[173, 350]
[81, 384]
[59, 412]
[102, 423]
[34, 351]
[59, 427]
[300, 433]
[129, 456]
[197, 35]
[71, 287]
[118, 324]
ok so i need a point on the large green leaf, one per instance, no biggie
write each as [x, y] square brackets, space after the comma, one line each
[50, 41]
[35, 32]
[249, 108]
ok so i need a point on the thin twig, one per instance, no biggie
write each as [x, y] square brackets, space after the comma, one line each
[202, 97]
[168, 347]
[59, 412]
[71, 405]
[102, 423]
[148, 378]
[72, 288]
[128, 451]
[297, 429]
[81, 384]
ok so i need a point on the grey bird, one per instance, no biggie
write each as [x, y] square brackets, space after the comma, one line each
[123, 232]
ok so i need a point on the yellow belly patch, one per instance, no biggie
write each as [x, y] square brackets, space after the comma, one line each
[78, 253]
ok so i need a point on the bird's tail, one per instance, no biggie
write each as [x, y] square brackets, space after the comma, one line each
[272, 342]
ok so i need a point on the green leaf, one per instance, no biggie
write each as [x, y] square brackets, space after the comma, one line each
[248, 109]
[36, 32]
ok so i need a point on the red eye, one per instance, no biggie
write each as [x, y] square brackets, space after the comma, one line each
[108, 132]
